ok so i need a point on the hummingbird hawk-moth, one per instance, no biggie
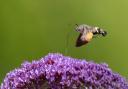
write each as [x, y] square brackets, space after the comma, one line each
[86, 34]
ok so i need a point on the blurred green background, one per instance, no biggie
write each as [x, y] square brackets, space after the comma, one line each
[30, 29]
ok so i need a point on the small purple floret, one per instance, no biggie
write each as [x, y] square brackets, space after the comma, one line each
[56, 71]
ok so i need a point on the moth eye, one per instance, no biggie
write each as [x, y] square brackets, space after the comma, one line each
[104, 33]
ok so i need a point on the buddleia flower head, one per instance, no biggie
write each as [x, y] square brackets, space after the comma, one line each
[56, 71]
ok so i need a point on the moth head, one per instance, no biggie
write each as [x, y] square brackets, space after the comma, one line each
[100, 31]
[104, 33]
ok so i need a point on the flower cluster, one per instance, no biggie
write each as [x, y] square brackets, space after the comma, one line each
[56, 71]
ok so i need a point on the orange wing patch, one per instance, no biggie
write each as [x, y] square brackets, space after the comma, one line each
[83, 39]
[88, 36]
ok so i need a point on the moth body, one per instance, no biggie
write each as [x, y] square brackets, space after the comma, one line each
[86, 34]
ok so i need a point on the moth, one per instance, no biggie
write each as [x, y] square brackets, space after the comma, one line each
[86, 34]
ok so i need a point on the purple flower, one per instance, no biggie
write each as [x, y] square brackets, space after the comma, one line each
[56, 71]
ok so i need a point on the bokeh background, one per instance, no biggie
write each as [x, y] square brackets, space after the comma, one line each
[30, 29]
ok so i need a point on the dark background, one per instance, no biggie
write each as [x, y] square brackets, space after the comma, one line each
[30, 29]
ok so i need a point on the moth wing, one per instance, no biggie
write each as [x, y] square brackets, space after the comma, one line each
[83, 39]
[80, 41]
